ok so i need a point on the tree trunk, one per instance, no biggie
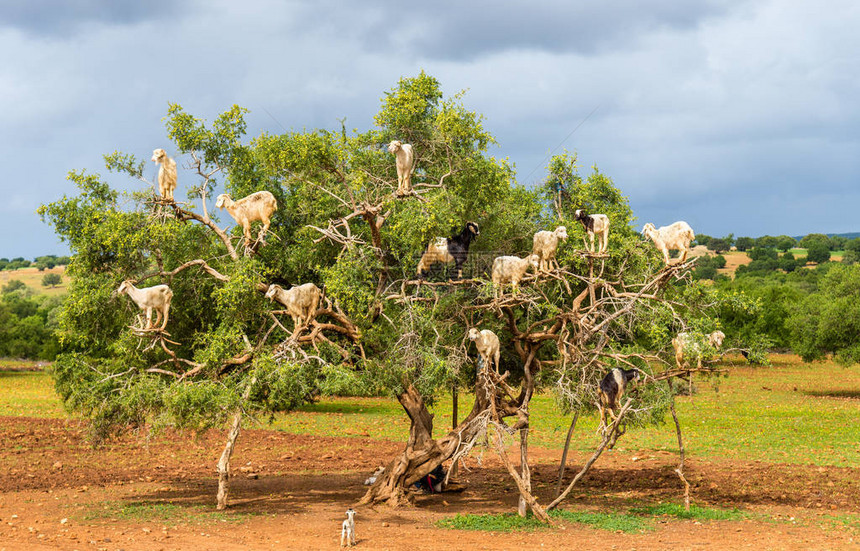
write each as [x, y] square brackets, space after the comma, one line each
[224, 462]
[564, 454]
[525, 473]
[422, 453]
[680, 470]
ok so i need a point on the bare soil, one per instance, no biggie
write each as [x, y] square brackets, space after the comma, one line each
[290, 492]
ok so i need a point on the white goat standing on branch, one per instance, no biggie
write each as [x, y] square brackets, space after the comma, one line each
[260, 205]
[686, 345]
[301, 302]
[545, 245]
[488, 346]
[511, 269]
[166, 173]
[676, 236]
[405, 163]
[148, 299]
[594, 224]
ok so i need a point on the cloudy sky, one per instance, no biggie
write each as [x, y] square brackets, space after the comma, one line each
[737, 116]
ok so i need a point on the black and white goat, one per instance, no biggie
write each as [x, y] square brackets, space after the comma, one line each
[594, 224]
[612, 388]
[449, 249]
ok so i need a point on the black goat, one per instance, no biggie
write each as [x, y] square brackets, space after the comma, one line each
[612, 388]
[449, 249]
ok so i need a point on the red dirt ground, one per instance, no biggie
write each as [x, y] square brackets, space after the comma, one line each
[290, 492]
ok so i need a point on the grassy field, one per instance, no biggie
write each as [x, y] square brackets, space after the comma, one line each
[790, 412]
[32, 278]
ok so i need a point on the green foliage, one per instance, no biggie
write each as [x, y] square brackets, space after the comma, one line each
[509, 522]
[827, 321]
[744, 243]
[719, 245]
[27, 323]
[12, 286]
[707, 266]
[818, 252]
[52, 280]
[696, 512]
[703, 239]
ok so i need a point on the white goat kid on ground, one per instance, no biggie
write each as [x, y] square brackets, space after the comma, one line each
[405, 163]
[488, 347]
[347, 531]
[594, 224]
[301, 302]
[687, 346]
[166, 173]
[545, 245]
[511, 269]
[260, 206]
[148, 299]
[676, 236]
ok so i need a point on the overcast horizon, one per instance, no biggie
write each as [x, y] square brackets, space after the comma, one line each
[736, 116]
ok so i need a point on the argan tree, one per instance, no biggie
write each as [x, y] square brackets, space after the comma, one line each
[228, 352]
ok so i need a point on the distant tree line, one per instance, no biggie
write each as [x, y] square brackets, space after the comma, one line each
[813, 312]
[41, 262]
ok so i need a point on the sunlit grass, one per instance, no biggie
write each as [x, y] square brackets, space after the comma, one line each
[636, 520]
[171, 513]
[32, 278]
[790, 412]
[29, 394]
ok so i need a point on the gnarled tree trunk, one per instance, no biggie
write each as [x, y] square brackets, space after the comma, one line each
[423, 453]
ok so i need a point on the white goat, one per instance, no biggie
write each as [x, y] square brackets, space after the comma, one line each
[687, 345]
[545, 245]
[405, 163]
[511, 269]
[166, 173]
[301, 302]
[257, 206]
[148, 299]
[594, 224]
[487, 344]
[347, 531]
[676, 236]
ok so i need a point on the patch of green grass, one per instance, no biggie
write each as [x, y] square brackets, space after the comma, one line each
[502, 522]
[637, 520]
[614, 522]
[848, 520]
[145, 511]
[29, 394]
[696, 512]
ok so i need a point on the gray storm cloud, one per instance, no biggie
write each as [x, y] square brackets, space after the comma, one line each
[735, 116]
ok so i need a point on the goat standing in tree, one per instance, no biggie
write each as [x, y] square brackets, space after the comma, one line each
[676, 236]
[687, 346]
[148, 299]
[488, 347]
[166, 173]
[545, 245]
[260, 205]
[594, 224]
[611, 389]
[405, 163]
[449, 249]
